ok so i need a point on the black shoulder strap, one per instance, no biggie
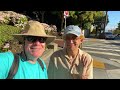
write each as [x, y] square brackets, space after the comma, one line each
[41, 64]
[14, 67]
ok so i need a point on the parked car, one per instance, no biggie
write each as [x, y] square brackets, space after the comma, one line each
[107, 35]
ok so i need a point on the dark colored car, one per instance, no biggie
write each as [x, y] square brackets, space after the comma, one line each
[107, 35]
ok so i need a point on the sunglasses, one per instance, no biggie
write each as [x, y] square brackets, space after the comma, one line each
[34, 39]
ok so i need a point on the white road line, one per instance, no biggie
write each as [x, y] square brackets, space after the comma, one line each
[116, 41]
[101, 48]
[106, 46]
[116, 60]
[104, 53]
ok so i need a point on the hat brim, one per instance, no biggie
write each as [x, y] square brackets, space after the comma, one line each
[20, 37]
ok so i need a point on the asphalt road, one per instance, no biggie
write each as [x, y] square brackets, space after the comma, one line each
[107, 49]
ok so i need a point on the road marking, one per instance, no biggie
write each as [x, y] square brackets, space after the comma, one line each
[113, 74]
[105, 53]
[100, 48]
[103, 46]
[93, 40]
[98, 64]
[116, 60]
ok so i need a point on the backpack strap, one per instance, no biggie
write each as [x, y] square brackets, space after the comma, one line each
[41, 64]
[14, 67]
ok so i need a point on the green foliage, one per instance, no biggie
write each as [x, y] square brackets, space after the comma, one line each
[6, 32]
[21, 22]
[72, 13]
[99, 17]
[87, 25]
[119, 25]
[6, 20]
[117, 31]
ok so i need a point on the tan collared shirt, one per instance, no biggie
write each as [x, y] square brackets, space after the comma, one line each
[61, 68]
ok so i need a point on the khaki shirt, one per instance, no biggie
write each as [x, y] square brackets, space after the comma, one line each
[61, 68]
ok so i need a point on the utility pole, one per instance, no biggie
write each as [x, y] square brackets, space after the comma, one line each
[65, 23]
[66, 14]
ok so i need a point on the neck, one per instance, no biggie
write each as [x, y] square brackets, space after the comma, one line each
[28, 58]
[72, 53]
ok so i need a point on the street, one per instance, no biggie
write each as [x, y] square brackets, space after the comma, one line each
[108, 49]
[107, 52]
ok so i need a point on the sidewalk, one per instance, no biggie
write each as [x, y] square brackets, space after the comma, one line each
[102, 68]
[106, 69]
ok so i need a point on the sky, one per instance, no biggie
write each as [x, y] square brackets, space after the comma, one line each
[114, 19]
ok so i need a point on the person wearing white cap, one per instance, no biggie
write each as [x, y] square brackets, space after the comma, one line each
[71, 62]
[27, 64]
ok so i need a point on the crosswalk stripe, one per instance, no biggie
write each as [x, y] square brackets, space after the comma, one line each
[101, 46]
[105, 48]
[116, 60]
[102, 49]
[105, 53]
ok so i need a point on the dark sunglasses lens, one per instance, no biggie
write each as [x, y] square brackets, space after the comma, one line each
[33, 39]
[42, 40]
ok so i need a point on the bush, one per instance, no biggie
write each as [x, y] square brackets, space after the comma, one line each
[13, 18]
[6, 32]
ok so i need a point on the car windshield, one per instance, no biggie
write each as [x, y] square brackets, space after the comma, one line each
[108, 33]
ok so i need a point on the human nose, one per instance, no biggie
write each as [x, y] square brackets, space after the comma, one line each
[71, 41]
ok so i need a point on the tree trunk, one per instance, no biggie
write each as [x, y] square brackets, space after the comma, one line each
[62, 19]
[42, 14]
[36, 13]
[96, 31]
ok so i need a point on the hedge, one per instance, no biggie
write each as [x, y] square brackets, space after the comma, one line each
[6, 32]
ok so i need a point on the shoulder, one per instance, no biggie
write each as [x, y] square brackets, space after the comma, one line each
[6, 60]
[86, 57]
[83, 53]
[6, 55]
[58, 53]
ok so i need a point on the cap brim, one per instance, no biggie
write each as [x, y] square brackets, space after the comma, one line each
[70, 32]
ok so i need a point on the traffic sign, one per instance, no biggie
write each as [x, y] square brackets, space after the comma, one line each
[66, 13]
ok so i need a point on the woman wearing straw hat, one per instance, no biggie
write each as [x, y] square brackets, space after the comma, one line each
[34, 40]
[71, 62]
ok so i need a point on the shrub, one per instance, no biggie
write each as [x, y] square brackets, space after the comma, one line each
[6, 32]
[13, 18]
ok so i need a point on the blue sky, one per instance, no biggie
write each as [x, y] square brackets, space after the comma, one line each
[114, 18]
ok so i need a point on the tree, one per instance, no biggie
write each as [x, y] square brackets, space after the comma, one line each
[119, 25]
[42, 16]
[100, 21]
[85, 19]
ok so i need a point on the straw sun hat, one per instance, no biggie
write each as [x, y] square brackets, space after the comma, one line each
[34, 28]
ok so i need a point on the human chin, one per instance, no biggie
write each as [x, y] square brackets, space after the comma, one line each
[37, 53]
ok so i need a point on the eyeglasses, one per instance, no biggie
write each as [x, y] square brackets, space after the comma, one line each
[34, 39]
